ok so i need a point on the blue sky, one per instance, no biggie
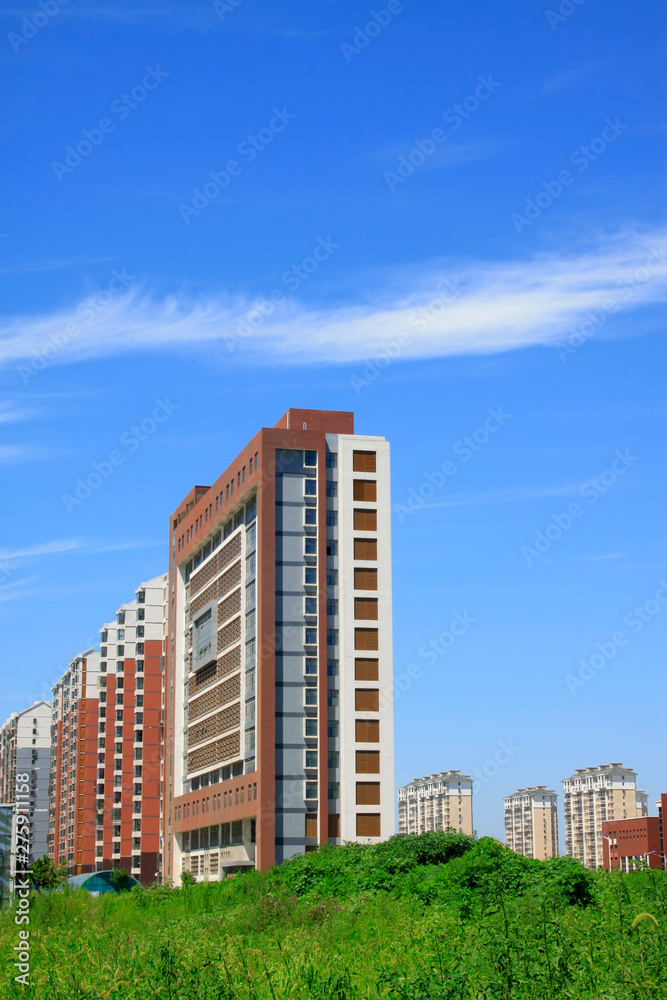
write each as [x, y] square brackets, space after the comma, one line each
[423, 214]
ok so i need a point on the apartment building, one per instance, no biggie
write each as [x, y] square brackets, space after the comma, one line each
[591, 796]
[73, 763]
[625, 842]
[25, 749]
[106, 745]
[436, 802]
[279, 646]
[531, 822]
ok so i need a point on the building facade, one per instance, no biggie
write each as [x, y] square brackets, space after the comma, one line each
[25, 750]
[106, 745]
[591, 796]
[531, 822]
[628, 841]
[437, 802]
[279, 648]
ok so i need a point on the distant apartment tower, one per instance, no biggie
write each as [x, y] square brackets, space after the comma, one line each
[279, 645]
[436, 802]
[25, 749]
[531, 822]
[591, 796]
[106, 745]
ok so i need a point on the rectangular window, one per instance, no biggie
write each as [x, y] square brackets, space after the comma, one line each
[368, 824]
[366, 638]
[331, 460]
[332, 728]
[366, 608]
[364, 461]
[311, 789]
[310, 573]
[367, 730]
[310, 515]
[334, 825]
[367, 700]
[332, 668]
[310, 487]
[332, 637]
[332, 578]
[311, 665]
[332, 518]
[311, 825]
[366, 548]
[311, 727]
[333, 791]
[366, 670]
[332, 488]
[368, 793]
[311, 758]
[310, 458]
[332, 606]
[332, 547]
[310, 638]
[365, 490]
[367, 761]
[310, 546]
[365, 579]
[333, 759]
[310, 606]
[365, 520]
[332, 697]
[311, 696]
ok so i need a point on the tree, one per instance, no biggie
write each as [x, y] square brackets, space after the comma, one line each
[119, 878]
[46, 875]
[187, 879]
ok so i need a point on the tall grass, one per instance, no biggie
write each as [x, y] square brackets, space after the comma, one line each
[415, 918]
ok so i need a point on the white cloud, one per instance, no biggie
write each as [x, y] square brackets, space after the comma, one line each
[503, 306]
[43, 549]
[508, 495]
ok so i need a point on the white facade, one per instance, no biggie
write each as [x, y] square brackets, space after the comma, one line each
[345, 445]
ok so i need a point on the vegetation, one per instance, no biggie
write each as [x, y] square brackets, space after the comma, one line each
[46, 875]
[436, 916]
[119, 878]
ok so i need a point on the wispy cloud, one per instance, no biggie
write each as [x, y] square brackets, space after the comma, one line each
[53, 265]
[504, 306]
[512, 495]
[43, 549]
[18, 453]
[9, 414]
[124, 546]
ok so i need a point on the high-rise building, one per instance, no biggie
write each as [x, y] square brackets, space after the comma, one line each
[531, 822]
[73, 764]
[279, 646]
[25, 750]
[437, 802]
[106, 745]
[591, 796]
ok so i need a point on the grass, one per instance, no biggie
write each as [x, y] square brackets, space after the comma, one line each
[415, 918]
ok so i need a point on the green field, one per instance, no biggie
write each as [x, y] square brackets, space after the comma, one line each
[415, 917]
